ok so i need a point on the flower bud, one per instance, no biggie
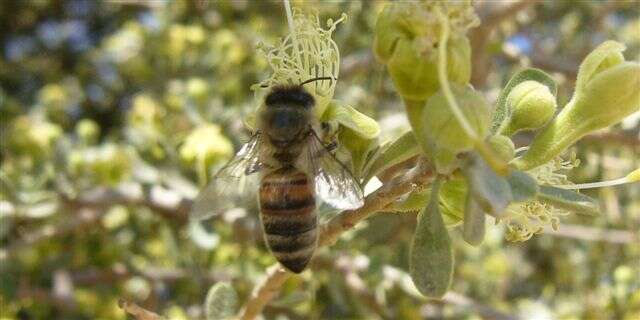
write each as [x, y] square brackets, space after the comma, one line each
[415, 76]
[605, 56]
[406, 40]
[503, 147]
[531, 105]
[606, 92]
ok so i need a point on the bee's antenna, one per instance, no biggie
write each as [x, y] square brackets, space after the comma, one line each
[316, 79]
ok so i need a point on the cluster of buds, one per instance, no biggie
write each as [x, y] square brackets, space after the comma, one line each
[606, 92]
[406, 40]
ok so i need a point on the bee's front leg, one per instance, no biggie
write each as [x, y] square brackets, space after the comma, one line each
[330, 135]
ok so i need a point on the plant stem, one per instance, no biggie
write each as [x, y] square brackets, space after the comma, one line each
[444, 82]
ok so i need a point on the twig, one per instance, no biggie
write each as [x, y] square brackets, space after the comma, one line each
[357, 285]
[85, 216]
[264, 292]
[136, 311]
[329, 234]
[480, 36]
[91, 205]
[484, 311]
[594, 234]
[177, 210]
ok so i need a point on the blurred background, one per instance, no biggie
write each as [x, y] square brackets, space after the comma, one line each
[112, 114]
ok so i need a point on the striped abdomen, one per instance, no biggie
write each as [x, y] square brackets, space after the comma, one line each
[288, 212]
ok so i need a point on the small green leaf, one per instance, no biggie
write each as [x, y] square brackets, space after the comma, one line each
[569, 200]
[349, 117]
[452, 200]
[501, 112]
[360, 149]
[523, 186]
[473, 228]
[401, 149]
[221, 302]
[414, 201]
[431, 258]
[491, 191]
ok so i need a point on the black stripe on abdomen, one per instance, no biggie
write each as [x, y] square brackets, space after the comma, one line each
[288, 205]
[287, 226]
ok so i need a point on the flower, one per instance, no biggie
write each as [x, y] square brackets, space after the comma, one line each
[307, 52]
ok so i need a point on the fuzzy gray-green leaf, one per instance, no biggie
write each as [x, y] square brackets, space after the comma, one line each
[221, 302]
[431, 260]
[523, 186]
[569, 200]
[401, 149]
[473, 228]
[491, 191]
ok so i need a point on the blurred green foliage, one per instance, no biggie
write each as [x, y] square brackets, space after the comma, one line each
[114, 114]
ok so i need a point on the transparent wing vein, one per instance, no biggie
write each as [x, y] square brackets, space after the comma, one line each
[334, 183]
[233, 185]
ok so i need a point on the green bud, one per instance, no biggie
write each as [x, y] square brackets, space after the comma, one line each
[503, 147]
[406, 39]
[531, 106]
[606, 92]
[605, 56]
[444, 132]
[88, 130]
[415, 76]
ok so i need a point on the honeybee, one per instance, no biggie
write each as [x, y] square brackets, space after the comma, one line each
[293, 169]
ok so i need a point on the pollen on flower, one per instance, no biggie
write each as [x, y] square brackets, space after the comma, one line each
[526, 219]
[306, 52]
[554, 172]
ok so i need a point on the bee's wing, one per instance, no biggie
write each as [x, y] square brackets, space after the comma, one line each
[334, 183]
[234, 183]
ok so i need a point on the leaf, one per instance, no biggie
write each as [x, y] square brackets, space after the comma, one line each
[452, 200]
[491, 191]
[360, 149]
[349, 117]
[414, 201]
[569, 200]
[431, 257]
[221, 302]
[401, 149]
[501, 112]
[473, 229]
[523, 186]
